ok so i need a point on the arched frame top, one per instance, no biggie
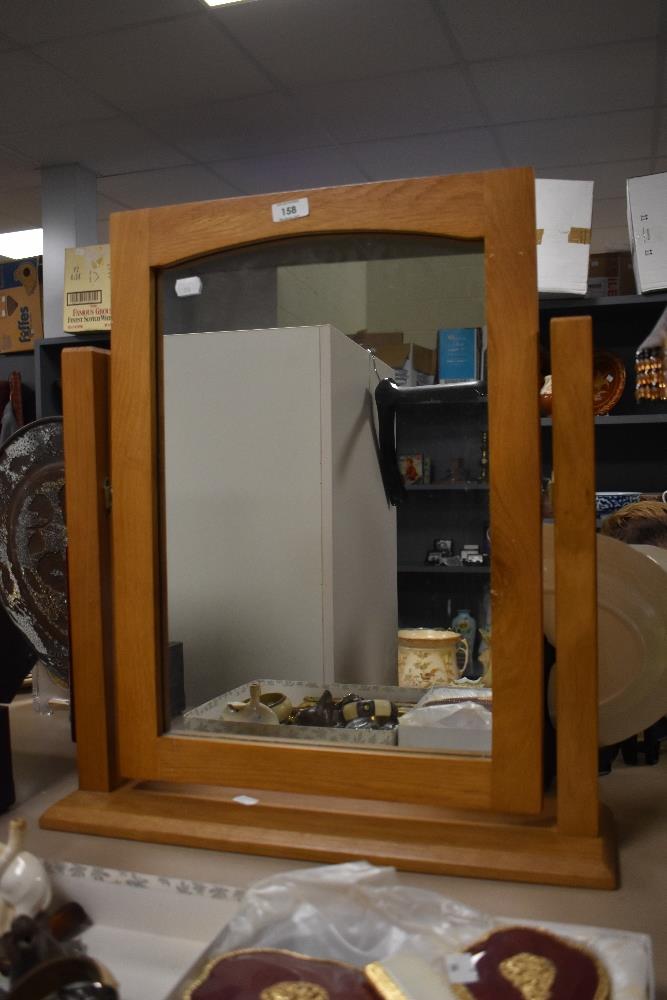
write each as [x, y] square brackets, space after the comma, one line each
[495, 206]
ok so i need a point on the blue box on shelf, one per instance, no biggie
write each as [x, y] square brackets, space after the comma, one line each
[459, 350]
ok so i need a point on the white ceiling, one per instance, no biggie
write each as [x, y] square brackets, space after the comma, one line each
[167, 101]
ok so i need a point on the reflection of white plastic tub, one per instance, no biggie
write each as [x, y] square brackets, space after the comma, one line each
[206, 719]
[458, 724]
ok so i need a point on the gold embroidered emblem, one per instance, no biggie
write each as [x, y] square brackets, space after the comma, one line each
[294, 990]
[531, 975]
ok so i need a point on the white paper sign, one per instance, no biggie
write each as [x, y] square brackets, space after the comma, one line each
[284, 210]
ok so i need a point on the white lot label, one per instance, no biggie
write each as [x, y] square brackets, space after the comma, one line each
[284, 210]
[461, 968]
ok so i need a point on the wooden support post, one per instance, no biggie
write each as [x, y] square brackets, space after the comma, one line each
[576, 576]
[85, 372]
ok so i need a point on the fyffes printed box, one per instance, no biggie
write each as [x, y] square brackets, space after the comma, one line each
[20, 305]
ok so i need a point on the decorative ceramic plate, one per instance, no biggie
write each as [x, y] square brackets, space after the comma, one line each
[33, 576]
[632, 637]
[608, 381]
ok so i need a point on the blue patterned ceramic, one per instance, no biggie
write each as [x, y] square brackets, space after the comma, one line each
[607, 503]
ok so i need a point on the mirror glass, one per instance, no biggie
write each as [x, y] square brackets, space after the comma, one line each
[299, 604]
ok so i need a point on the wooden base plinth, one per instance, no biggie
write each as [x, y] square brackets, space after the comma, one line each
[313, 828]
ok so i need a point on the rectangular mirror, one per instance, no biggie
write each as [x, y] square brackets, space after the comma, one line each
[252, 538]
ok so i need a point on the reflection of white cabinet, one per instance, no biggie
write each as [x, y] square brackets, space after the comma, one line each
[281, 548]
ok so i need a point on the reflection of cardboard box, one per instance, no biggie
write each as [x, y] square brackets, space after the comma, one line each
[412, 364]
[87, 301]
[647, 223]
[563, 211]
[20, 305]
[374, 340]
[611, 274]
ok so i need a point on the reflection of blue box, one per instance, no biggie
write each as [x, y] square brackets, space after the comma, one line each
[458, 354]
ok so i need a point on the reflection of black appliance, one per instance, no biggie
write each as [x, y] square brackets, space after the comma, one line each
[389, 399]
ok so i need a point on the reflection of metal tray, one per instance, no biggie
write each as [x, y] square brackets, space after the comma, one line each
[205, 719]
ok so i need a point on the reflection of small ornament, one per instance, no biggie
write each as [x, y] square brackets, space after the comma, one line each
[458, 473]
[484, 458]
[546, 397]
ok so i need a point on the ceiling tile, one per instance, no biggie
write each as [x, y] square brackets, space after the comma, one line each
[6, 43]
[584, 81]
[622, 135]
[396, 105]
[102, 230]
[660, 168]
[163, 65]
[424, 155]
[217, 130]
[306, 42]
[40, 20]
[164, 187]
[106, 205]
[291, 171]
[17, 172]
[36, 94]
[485, 30]
[26, 203]
[608, 178]
[113, 146]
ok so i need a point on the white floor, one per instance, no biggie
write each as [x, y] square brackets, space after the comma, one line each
[45, 771]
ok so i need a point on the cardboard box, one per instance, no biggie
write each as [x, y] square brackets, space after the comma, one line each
[374, 340]
[20, 305]
[611, 274]
[459, 354]
[647, 225]
[412, 364]
[87, 300]
[563, 218]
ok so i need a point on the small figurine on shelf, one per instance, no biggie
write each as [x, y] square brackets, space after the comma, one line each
[458, 473]
[484, 458]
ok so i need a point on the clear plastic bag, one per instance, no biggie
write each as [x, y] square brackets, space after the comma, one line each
[358, 913]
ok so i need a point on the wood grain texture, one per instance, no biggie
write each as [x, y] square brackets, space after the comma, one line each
[497, 206]
[514, 465]
[575, 574]
[135, 516]
[85, 379]
[426, 840]
[433, 205]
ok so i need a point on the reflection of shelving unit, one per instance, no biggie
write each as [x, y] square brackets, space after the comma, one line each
[427, 594]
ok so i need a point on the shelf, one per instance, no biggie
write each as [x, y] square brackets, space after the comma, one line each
[584, 302]
[620, 419]
[461, 487]
[421, 568]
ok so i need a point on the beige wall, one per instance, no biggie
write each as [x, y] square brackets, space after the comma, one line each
[311, 294]
[416, 296]
[421, 295]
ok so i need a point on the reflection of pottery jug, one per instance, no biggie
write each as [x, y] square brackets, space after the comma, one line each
[427, 656]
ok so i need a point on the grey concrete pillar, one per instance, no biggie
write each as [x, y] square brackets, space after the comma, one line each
[69, 219]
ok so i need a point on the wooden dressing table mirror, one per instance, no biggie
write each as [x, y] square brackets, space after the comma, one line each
[144, 778]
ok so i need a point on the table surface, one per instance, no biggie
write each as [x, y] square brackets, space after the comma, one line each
[45, 772]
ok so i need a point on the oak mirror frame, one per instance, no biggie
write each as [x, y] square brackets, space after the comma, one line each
[496, 207]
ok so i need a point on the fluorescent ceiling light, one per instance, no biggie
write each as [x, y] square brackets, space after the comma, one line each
[24, 243]
[219, 3]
